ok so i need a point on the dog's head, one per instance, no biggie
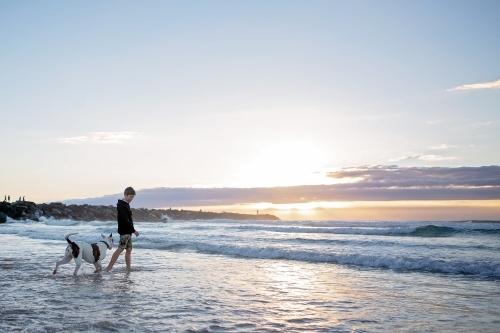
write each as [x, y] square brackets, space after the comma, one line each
[108, 240]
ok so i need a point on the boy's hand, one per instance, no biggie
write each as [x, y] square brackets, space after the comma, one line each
[136, 233]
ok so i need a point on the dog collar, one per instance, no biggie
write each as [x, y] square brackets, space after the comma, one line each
[105, 243]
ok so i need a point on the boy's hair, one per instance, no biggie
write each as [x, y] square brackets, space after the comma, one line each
[129, 191]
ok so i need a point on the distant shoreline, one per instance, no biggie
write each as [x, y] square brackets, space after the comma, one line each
[27, 210]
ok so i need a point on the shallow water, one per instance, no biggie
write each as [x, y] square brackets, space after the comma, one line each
[218, 276]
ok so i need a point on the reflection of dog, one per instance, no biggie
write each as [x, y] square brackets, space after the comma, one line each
[92, 253]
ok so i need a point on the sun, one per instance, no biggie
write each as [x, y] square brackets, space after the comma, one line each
[283, 163]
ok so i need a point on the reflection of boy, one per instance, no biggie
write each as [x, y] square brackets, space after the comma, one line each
[125, 228]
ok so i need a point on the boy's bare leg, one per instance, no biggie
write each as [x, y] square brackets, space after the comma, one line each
[113, 259]
[128, 257]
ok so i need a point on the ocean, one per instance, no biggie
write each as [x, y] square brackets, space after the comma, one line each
[256, 276]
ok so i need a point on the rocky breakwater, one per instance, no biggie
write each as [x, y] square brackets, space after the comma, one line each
[182, 214]
[27, 210]
[59, 211]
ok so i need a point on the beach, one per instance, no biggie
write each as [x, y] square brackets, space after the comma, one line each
[257, 276]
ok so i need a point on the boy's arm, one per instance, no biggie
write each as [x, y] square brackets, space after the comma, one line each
[136, 233]
[133, 228]
[132, 222]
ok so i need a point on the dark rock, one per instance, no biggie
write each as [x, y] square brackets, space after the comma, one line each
[32, 217]
[20, 211]
[3, 217]
[9, 211]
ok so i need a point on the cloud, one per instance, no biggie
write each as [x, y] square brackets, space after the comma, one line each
[413, 177]
[483, 123]
[423, 157]
[100, 137]
[374, 183]
[476, 86]
[443, 146]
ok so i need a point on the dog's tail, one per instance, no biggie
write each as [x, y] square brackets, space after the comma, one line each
[67, 237]
[75, 249]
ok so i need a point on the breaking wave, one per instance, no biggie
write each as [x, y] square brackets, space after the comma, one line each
[419, 231]
[369, 261]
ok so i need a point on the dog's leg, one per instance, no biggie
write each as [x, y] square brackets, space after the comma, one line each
[78, 262]
[98, 267]
[65, 260]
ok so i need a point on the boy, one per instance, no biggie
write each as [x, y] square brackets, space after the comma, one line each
[125, 228]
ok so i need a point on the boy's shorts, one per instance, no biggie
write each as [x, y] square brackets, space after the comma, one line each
[125, 241]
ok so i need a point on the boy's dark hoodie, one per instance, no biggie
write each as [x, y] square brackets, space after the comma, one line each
[125, 222]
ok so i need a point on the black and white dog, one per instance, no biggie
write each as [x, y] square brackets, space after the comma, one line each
[92, 253]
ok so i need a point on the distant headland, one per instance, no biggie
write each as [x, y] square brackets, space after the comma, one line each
[27, 210]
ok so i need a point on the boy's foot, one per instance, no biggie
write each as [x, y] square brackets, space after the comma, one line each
[107, 269]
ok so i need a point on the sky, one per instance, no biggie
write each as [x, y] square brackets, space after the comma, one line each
[286, 96]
